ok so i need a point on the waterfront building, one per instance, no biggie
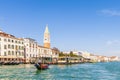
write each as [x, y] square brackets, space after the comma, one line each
[114, 58]
[11, 48]
[46, 52]
[74, 52]
[34, 51]
[46, 37]
[31, 49]
[94, 58]
[26, 49]
[55, 54]
[85, 54]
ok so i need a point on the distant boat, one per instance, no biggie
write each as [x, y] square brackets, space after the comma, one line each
[41, 66]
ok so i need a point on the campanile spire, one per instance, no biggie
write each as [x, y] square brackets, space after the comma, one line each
[47, 37]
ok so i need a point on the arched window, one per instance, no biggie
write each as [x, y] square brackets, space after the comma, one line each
[12, 46]
[12, 52]
[9, 53]
[8, 46]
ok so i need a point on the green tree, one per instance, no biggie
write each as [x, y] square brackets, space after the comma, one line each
[61, 54]
[72, 54]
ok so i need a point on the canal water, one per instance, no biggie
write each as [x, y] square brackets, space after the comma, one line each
[86, 71]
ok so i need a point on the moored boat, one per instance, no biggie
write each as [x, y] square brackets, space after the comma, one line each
[1, 63]
[11, 63]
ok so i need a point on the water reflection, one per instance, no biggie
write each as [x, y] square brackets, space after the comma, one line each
[38, 71]
[61, 66]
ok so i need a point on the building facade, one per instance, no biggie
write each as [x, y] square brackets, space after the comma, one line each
[31, 49]
[11, 48]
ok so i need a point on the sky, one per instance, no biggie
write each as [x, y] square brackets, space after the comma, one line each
[80, 25]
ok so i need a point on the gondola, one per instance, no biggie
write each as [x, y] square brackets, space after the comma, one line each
[41, 66]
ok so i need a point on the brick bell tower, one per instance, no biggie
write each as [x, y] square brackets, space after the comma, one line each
[46, 37]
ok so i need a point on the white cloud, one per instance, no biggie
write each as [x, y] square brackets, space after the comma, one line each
[109, 12]
[109, 42]
[113, 42]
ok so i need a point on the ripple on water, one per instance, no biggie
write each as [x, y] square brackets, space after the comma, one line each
[98, 71]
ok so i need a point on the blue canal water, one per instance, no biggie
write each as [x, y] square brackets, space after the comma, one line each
[86, 71]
